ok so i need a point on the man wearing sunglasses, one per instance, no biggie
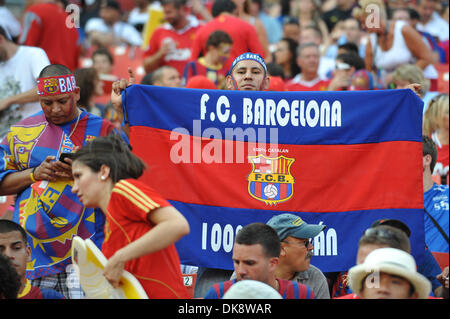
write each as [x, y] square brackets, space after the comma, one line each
[346, 66]
[296, 252]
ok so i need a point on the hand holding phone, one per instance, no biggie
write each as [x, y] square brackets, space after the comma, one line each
[64, 156]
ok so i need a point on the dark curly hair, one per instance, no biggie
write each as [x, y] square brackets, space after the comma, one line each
[9, 279]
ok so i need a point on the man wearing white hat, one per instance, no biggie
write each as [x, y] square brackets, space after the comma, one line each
[388, 273]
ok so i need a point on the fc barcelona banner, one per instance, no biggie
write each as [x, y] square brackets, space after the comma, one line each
[225, 159]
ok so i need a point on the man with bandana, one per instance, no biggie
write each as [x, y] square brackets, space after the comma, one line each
[31, 167]
[247, 72]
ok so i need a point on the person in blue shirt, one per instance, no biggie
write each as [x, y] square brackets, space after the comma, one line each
[436, 201]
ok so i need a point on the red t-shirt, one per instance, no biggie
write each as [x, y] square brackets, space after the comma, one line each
[296, 84]
[126, 220]
[245, 38]
[182, 42]
[348, 296]
[443, 159]
[47, 26]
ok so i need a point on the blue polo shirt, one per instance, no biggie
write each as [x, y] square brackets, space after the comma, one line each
[436, 203]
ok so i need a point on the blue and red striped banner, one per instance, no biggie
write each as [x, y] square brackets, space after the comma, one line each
[229, 158]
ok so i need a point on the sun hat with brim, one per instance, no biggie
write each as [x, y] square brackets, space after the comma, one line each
[251, 289]
[291, 225]
[391, 261]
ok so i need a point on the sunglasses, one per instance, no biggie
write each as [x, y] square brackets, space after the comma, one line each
[342, 66]
[381, 233]
[305, 243]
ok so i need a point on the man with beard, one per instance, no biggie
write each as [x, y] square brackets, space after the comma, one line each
[171, 43]
[296, 252]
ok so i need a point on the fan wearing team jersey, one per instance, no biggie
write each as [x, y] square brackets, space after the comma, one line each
[141, 226]
[171, 43]
[256, 254]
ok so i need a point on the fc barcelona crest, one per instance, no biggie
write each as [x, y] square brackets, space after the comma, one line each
[51, 85]
[270, 180]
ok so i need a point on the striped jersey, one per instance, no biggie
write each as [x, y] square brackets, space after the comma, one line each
[34, 292]
[288, 290]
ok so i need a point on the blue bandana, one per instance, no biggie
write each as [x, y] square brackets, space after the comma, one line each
[248, 56]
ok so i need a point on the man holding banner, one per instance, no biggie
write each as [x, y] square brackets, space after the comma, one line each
[248, 72]
[226, 159]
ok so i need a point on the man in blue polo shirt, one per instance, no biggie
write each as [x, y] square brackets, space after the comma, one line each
[436, 200]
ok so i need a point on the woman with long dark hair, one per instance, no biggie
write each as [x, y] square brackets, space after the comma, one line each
[141, 226]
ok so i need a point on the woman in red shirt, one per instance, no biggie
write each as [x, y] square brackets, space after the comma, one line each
[141, 227]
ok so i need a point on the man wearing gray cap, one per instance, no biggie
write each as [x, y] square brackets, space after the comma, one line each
[296, 252]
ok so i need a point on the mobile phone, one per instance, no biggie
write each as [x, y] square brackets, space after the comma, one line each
[63, 156]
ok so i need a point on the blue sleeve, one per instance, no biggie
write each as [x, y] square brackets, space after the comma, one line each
[430, 269]
[309, 293]
[51, 294]
[438, 49]
[211, 294]
[7, 160]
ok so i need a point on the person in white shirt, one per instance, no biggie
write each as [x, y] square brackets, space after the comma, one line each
[431, 21]
[138, 16]
[8, 21]
[19, 69]
[109, 30]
